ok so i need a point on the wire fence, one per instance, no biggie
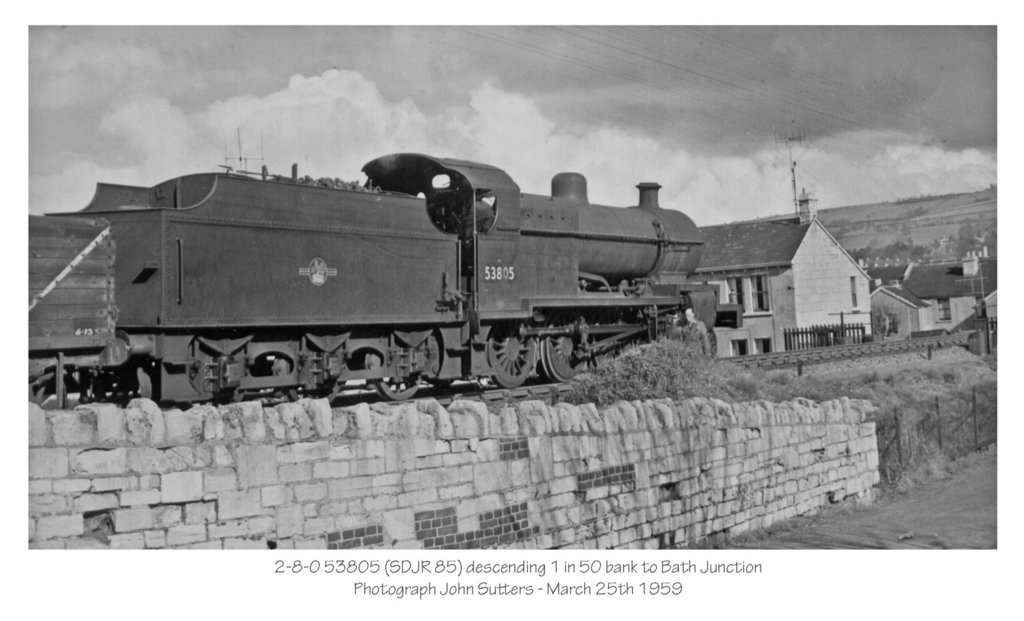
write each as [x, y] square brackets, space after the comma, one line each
[953, 426]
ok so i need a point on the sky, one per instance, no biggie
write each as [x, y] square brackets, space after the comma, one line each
[713, 114]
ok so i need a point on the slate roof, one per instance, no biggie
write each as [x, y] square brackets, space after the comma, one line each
[947, 280]
[886, 273]
[903, 295]
[759, 243]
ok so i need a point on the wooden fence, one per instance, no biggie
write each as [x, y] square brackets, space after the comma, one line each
[953, 427]
[823, 336]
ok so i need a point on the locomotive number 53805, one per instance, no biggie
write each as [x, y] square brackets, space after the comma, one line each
[499, 272]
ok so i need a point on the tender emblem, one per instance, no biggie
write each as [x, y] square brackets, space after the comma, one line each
[318, 271]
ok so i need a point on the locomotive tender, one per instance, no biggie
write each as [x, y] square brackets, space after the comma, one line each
[233, 285]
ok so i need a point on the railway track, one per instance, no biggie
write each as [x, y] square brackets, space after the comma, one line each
[802, 357]
[552, 392]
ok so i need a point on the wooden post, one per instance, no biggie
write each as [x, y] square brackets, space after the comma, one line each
[799, 368]
[929, 352]
[974, 414]
[938, 422]
[59, 382]
[899, 441]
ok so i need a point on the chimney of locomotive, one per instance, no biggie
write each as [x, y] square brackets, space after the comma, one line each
[570, 186]
[649, 195]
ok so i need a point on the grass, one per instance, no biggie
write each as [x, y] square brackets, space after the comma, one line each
[667, 369]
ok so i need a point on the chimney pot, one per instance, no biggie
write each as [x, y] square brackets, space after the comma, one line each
[648, 195]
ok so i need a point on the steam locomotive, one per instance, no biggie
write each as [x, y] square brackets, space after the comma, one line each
[235, 285]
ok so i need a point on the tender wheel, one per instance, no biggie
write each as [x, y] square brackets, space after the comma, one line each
[512, 358]
[557, 361]
[394, 389]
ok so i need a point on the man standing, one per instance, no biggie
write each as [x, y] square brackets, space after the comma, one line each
[695, 333]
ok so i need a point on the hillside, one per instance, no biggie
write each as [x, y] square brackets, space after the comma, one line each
[930, 227]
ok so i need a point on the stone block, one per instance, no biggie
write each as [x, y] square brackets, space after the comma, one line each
[53, 526]
[47, 503]
[341, 423]
[186, 534]
[45, 463]
[289, 520]
[181, 486]
[71, 486]
[200, 512]
[110, 424]
[319, 410]
[155, 539]
[95, 502]
[490, 477]
[303, 451]
[140, 498]
[219, 480]
[129, 541]
[245, 503]
[292, 473]
[145, 460]
[331, 469]
[274, 495]
[186, 427]
[349, 487]
[40, 486]
[38, 433]
[127, 520]
[257, 465]
[214, 427]
[101, 461]
[180, 457]
[73, 428]
[311, 492]
[509, 421]
[462, 490]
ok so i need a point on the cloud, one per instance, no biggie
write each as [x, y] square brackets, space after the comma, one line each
[334, 122]
[67, 71]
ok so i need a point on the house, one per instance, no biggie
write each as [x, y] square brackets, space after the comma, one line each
[896, 312]
[953, 290]
[785, 272]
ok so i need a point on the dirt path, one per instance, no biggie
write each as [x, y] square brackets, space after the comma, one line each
[958, 511]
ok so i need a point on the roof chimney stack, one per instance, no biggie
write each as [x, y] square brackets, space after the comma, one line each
[970, 264]
[805, 210]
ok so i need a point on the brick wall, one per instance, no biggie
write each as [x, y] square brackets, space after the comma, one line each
[301, 475]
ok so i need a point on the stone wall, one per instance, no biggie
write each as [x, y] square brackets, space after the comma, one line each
[301, 475]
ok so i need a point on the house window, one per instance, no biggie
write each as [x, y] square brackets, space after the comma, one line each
[759, 293]
[739, 347]
[764, 346]
[736, 292]
[853, 290]
[943, 308]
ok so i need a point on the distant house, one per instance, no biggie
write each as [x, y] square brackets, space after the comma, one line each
[952, 290]
[785, 273]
